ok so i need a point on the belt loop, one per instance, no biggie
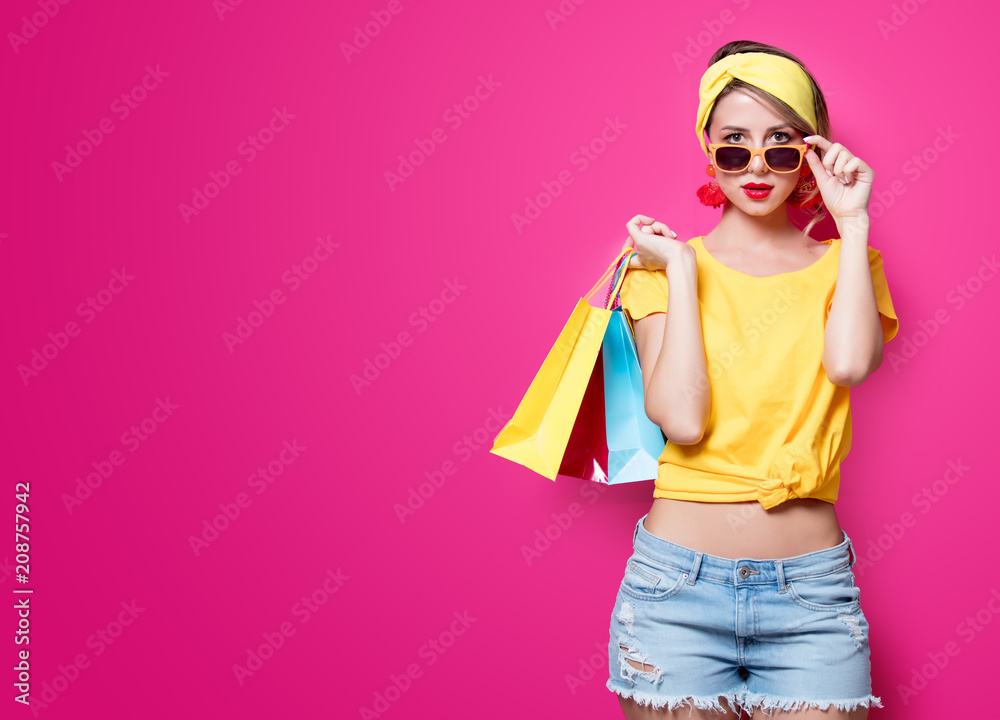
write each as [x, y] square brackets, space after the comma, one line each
[780, 566]
[850, 547]
[693, 573]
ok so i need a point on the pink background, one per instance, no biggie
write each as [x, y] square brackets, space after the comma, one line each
[534, 635]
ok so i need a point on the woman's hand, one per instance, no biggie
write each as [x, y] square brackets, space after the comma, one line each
[844, 180]
[655, 244]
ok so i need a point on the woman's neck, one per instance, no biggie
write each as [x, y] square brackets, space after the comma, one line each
[754, 230]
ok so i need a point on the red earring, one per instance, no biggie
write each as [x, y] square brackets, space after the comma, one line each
[710, 193]
[806, 188]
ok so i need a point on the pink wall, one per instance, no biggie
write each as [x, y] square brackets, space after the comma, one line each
[151, 377]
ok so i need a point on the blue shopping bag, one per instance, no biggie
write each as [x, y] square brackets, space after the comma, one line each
[635, 442]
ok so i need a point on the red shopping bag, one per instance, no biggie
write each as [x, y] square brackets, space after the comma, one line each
[587, 450]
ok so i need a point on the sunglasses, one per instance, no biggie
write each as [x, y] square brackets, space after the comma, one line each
[777, 158]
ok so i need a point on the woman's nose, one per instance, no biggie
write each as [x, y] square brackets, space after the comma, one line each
[757, 164]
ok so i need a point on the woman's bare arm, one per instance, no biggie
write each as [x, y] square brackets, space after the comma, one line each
[672, 357]
[670, 345]
[852, 339]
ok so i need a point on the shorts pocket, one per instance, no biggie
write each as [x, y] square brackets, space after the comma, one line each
[832, 591]
[647, 580]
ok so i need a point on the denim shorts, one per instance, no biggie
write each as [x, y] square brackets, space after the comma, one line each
[783, 633]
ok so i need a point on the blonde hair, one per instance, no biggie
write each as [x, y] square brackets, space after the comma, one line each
[816, 210]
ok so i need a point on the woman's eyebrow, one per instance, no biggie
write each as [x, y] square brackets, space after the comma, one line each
[770, 129]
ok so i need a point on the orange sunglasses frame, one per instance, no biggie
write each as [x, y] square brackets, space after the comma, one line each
[803, 149]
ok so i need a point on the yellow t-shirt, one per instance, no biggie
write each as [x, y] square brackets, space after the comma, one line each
[778, 428]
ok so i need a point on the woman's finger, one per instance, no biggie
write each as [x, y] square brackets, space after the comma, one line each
[662, 229]
[636, 262]
[640, 219]
[821, 142]
[840, 166]
[851, 168]
[831, 157]
[826, 152]
[815, 163]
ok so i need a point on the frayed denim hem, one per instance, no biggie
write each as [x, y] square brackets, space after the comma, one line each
[748, 701]
[741, 701]
[657, 702]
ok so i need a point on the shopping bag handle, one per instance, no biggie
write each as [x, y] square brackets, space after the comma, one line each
[615, 270]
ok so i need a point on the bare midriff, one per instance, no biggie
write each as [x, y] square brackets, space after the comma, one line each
[745, 529]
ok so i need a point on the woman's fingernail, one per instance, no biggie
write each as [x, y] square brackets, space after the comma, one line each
[828, 172]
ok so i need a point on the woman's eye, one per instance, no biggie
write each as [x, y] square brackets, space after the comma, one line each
[734, 138]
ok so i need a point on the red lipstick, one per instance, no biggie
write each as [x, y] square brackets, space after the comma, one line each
[757, 191]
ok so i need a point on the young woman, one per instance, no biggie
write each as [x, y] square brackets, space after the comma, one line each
[740, 594]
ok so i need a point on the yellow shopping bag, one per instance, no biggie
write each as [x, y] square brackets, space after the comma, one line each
[539, 432]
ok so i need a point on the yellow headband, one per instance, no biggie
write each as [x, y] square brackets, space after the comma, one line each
[783, 78]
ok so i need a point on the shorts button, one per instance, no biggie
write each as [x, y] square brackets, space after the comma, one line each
[744, 571]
